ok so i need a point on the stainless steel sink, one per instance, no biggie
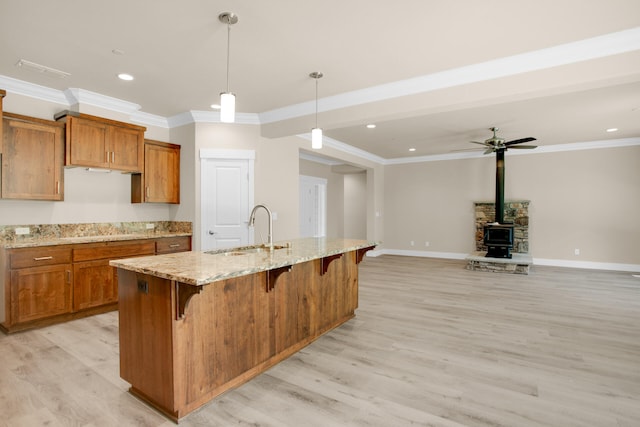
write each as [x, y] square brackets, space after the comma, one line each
[247, 250]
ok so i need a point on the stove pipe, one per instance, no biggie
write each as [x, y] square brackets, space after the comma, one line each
[500, 186]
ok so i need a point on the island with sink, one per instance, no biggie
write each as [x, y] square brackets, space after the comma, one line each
[195, 324]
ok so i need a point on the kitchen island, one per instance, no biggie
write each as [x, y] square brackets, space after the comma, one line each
[195, 324]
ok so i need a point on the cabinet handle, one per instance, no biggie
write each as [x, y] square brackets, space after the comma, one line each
[106, 157]
[42, 258]
[113, 157]
[57, 187]
[146, 192]
[68, 276]
[175, 245]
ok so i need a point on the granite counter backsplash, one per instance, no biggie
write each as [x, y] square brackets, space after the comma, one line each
[42, 233]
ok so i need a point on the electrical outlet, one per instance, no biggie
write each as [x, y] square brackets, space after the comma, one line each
[150, 226]
[274, 216]
[426, 244]
[412, 243]
[22, 230]
[576, 251]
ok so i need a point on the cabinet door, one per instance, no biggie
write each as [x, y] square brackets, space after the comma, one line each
[32, 160]
[94, 284]
[126, 149]
[40, 292]
[162, 173]
[87, 143]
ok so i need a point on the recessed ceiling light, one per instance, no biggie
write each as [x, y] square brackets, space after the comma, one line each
[412, 149]
[125, 76]
[216, 106]
[612, 130]
[371, 126]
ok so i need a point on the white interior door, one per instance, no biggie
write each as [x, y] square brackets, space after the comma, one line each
[313, 206]
[226, 201]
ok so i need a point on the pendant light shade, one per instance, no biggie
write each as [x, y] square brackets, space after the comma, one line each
[316, 132]
[227, 107]
[228, 99]
[316, 138]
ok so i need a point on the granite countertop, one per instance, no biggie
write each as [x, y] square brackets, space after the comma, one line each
[201, 268]
[54, 241]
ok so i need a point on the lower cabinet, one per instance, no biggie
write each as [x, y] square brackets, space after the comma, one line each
[50, 284]
[94, 281]
[94, 284]
[40, 292]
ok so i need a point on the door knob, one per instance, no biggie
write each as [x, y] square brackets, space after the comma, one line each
[212, 232]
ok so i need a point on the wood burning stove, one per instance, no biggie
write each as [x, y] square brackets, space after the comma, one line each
[498, 238]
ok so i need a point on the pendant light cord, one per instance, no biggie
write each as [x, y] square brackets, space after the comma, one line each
[228, 49]
[317, 101]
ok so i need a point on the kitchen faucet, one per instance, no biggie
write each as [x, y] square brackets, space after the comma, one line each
[252, 220]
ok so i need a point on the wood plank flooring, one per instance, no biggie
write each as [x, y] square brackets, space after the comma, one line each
[432, 344]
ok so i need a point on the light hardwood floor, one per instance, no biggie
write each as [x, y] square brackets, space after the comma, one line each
[432, 344]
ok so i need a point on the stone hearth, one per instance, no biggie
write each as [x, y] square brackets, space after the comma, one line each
[517, 264]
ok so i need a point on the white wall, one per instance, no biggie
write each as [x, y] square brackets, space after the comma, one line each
[587, 200]
[355, 205]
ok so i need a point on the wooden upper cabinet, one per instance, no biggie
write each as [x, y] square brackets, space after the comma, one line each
[102, 143]
[160, 182]
[32, 158]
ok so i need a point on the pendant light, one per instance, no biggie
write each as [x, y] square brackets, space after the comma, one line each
[316, 132]
[228, 99]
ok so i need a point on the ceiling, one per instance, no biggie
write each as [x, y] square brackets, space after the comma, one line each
[431, 75]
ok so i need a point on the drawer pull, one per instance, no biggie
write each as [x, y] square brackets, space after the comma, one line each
[175, 245]
[42, 258]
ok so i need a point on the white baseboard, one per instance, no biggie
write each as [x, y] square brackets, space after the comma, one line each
[587, 264]
[591, 265]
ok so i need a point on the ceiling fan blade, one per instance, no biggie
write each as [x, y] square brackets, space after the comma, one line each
[524, 146]
[476, 142]
[489, 150]
[519, 141]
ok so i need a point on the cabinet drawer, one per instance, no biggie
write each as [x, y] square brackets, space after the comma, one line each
[34, 257]
[173, 244]
[112, 250]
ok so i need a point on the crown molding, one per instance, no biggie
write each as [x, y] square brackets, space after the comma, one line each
[82, 96]
[149, 119]
[196, 116]
[318, 159]
[31, 90]
[574, 146]
[345, 148]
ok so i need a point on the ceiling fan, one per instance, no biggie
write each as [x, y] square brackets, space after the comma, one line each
[496, 143]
